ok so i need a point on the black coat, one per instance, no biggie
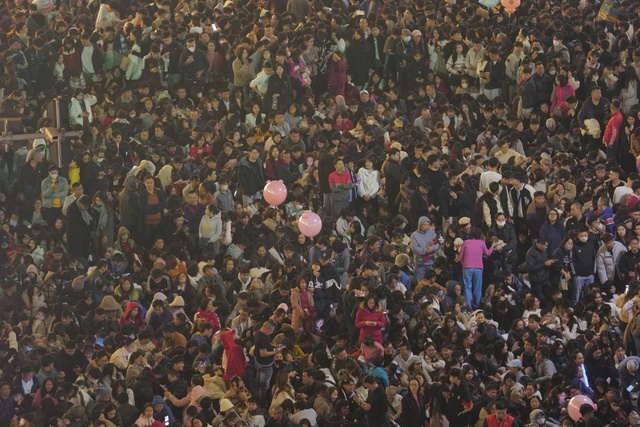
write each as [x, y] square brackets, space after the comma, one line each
[393, 176]
[283, 88]
[413, 413]
[29, 180]
[325, 168]
[538, 272]
[78, 232]
[66, 364]
[250, 177]
[90, 178]
[360, 58]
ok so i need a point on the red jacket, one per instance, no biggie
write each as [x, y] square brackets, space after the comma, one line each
[210, 317]
[335, 178]
[612, 131]
[364, 315]
[236, 362]
[138, 320]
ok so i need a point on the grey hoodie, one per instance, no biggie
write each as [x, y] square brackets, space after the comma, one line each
[420, 241]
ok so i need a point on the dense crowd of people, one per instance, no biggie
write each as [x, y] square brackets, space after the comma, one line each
[477, 174]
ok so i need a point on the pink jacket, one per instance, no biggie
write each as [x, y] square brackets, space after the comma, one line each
[560, 98]
[472, 251]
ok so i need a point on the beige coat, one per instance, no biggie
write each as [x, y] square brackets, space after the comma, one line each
[242, 73]
[298, 311]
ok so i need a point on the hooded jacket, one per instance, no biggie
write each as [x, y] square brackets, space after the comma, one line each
[236, 361]
[138, 320]
[165, 412]
[210, 317]
[420, 240]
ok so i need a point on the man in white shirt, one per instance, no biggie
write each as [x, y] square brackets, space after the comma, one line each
[300, 413]
[77, 192]
[620, 192]
[260, 83]
[491, 175]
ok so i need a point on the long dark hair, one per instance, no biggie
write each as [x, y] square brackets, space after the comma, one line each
[437, 401]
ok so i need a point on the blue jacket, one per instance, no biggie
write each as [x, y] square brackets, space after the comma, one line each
[380, 374]
[554, 234]
[606, 216]
[49, 193]
[164, 414]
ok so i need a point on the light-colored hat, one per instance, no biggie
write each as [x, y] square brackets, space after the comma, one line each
[515, 363]
[283, 306]
[535, 414]
[110, 304]
[416, 33]
[225, 405]
[78, 283]
[159, 296]
[177, 302]
[464, 220]
[39, 142]
[402, 260]
[258, 272]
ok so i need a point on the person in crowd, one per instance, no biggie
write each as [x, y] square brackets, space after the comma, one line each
[474, 171]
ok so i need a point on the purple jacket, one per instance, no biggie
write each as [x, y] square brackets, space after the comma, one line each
[471, 253]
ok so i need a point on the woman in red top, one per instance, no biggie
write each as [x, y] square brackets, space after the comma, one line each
[342, 123]
[200, 149]
[207, 312]
[370, 319]
[270, 163]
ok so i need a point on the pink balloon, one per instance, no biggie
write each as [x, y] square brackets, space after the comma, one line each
[510, 5]
[310, 224]
[275, 192]
[574, 405]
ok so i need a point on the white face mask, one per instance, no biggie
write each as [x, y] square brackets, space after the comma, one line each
[464, 85]
[192, 49]
[541, 421]
[53, 175]
[584, 239]
[501, 223]
[100, 160]
[370, 122]
[552, 72]
[600, 226]
[556, 43]
[224, 187]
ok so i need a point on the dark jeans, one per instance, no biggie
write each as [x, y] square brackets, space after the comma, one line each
[264, 374]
